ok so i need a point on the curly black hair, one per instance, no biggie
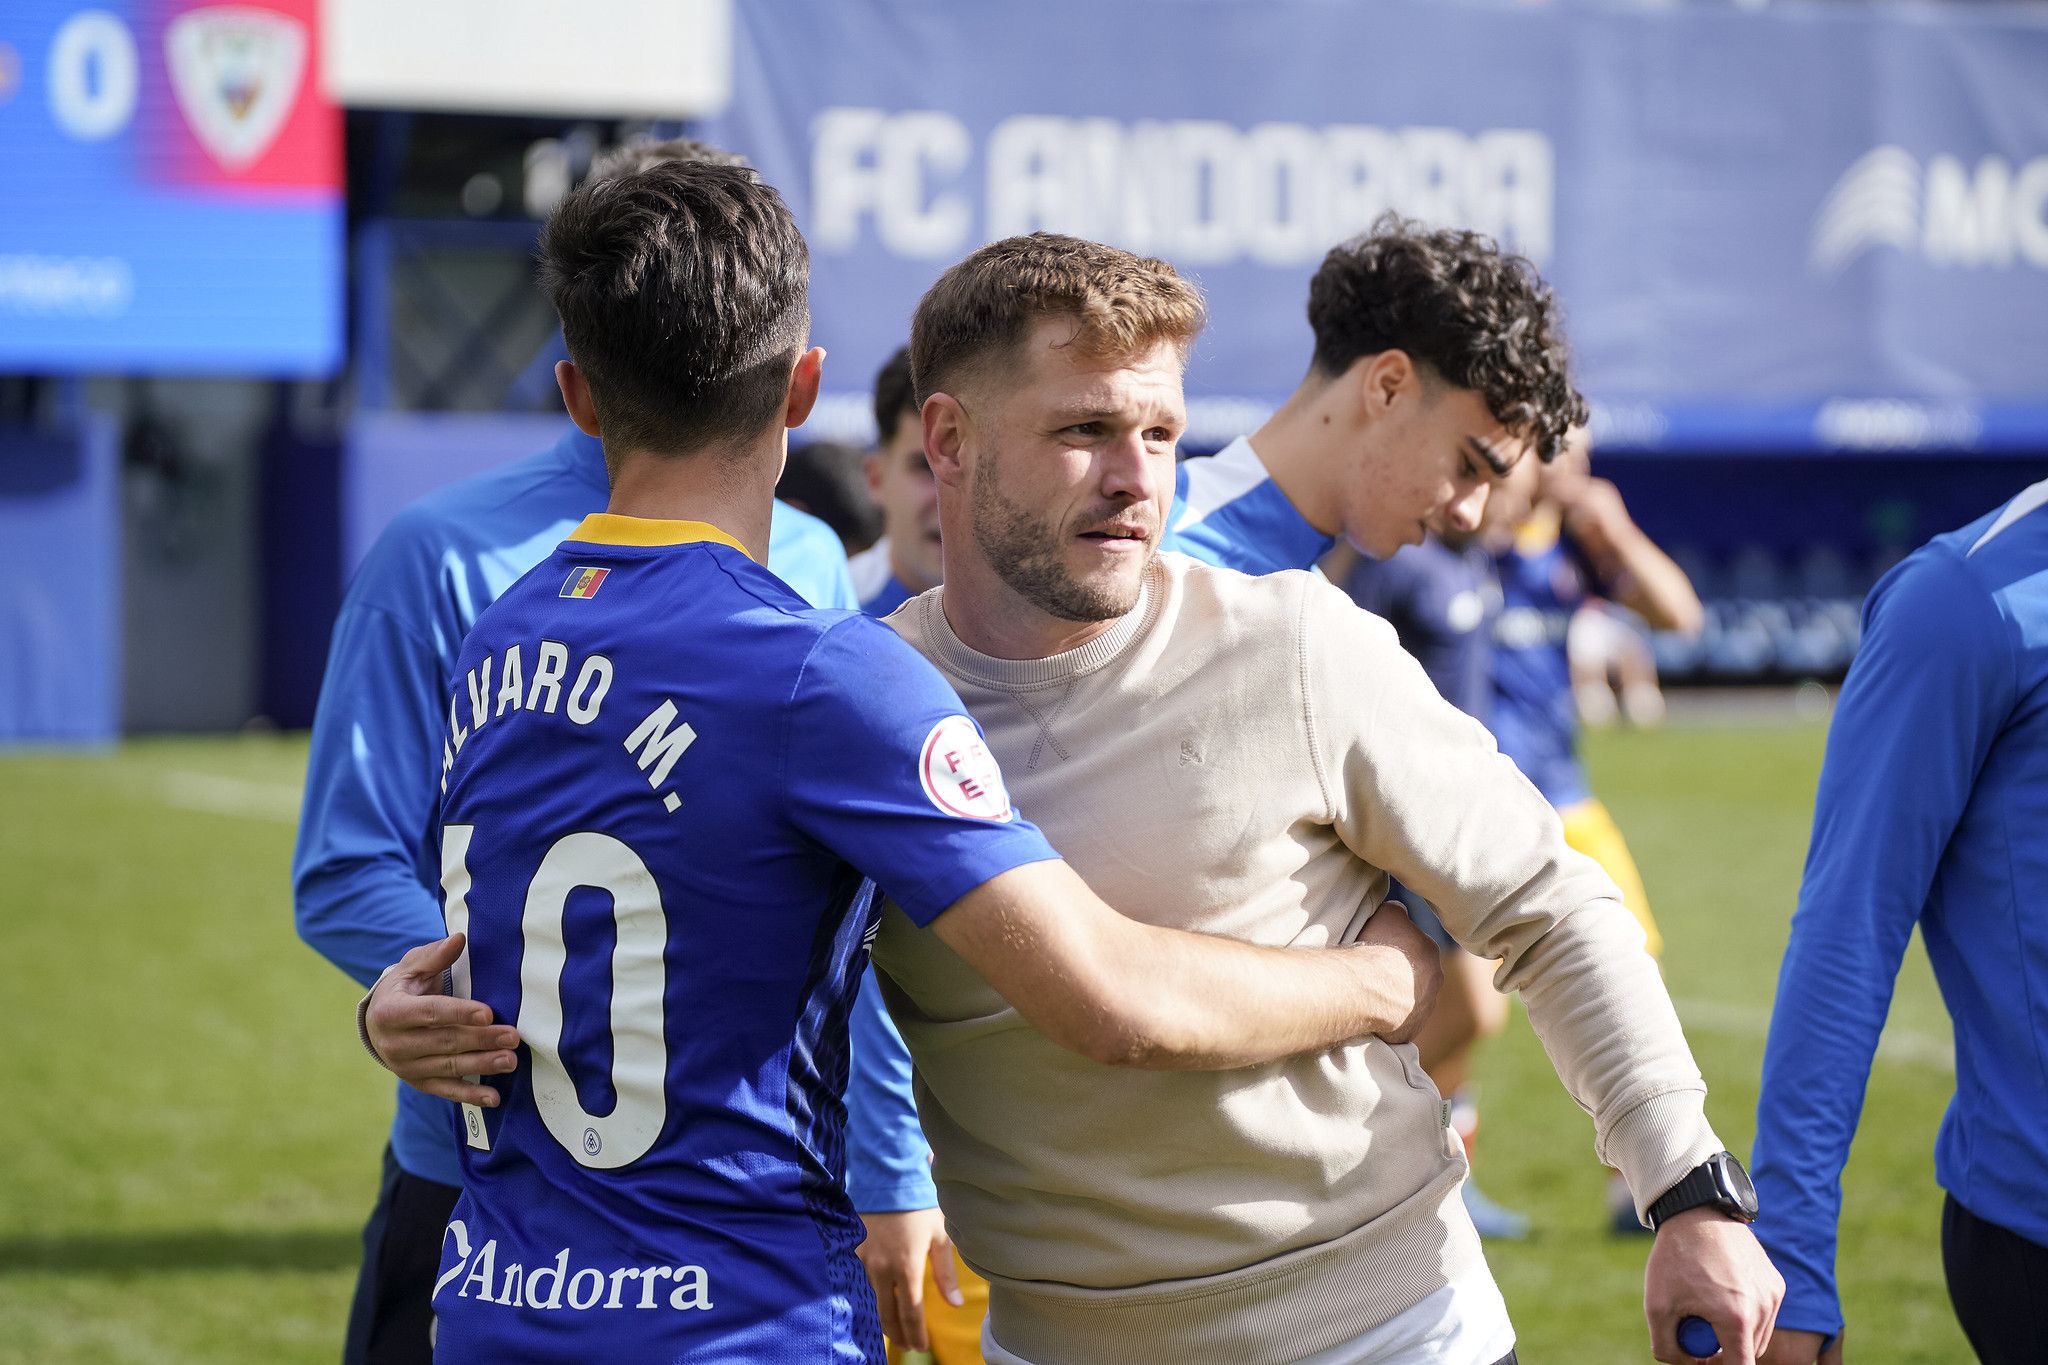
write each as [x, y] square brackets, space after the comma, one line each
[1479, 317]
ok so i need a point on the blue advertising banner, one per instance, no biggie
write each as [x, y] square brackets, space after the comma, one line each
[1806, 227]
[170, 188]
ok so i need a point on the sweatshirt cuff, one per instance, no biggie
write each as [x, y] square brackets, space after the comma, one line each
[1657, 1142]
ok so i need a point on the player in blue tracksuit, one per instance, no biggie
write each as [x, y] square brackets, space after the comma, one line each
[1932, 811]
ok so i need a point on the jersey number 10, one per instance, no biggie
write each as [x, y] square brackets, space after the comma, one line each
[639, 1049]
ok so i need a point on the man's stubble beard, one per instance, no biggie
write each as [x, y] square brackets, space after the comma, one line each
[1025, 553]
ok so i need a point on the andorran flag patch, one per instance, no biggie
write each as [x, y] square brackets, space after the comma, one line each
[584, 582]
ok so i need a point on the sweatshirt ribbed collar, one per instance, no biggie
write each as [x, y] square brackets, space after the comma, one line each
[971, 665]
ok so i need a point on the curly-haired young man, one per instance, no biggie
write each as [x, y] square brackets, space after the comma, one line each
[1439, 363]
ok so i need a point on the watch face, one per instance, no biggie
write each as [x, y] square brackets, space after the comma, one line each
[1735, 1185]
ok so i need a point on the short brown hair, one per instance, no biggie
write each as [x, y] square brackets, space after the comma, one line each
[981, 309]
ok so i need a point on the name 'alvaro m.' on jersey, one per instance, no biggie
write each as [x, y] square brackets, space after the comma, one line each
[666, 780]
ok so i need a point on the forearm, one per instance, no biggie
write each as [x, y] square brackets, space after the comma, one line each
[1198, 1002]
[1600, 1009]
[1655, 588]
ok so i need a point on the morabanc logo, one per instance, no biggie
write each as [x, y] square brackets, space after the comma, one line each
[1949, 214]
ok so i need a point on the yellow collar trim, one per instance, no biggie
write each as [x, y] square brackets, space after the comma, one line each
[609, 528]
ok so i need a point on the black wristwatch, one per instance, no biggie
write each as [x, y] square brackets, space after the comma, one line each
[1718, 1182]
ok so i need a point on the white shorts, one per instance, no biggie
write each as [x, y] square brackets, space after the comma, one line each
[1464, 1323]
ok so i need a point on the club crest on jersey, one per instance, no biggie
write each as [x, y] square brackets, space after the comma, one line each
[236, 72]
[584, 582]
[960, 775]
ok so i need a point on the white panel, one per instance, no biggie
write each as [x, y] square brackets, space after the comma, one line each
[618, 58]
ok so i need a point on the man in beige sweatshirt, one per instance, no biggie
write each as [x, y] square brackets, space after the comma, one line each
[1248, 757]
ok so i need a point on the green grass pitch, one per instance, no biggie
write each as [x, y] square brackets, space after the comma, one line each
[191, 1136]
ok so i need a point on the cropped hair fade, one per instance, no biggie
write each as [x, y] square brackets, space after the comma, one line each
[980, 311]
[683, 290]
[1479, 317]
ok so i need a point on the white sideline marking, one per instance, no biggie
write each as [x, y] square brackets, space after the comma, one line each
[1902, 1046]
[216, 795]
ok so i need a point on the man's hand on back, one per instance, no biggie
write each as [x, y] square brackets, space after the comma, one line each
[1708, 1265]
[431, 1040]
[1409, 970]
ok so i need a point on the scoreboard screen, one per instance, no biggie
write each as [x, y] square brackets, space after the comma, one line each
[170, 188]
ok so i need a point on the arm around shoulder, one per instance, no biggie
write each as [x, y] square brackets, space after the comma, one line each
[1125, 993]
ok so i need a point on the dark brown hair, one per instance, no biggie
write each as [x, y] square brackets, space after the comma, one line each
[683, 290]
[1478, 317]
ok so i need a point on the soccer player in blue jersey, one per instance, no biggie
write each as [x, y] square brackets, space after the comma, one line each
[1932, 805]
[666, 779]
[907, 559]
[365, 874]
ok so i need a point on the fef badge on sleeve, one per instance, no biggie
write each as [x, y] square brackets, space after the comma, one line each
[960, 775]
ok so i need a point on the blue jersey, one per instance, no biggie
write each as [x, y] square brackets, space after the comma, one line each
[365, 869]
[666, 783]
[1543, 581]
[1932, 809]
[1442, 603]
[1227, 511]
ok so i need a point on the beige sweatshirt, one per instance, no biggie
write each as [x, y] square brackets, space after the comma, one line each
[1251, 757]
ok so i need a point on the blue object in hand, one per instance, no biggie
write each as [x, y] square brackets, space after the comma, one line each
[1696, 1338]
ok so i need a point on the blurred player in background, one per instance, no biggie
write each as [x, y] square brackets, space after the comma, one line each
[907, 559]
[365, 875]
[1932, 810]
[1442, 598]
[1561, 539]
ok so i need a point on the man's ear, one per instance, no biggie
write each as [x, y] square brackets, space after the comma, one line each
[576, 397]
[947, 429]
[872, 468]
[803, 387]
[1385, 379]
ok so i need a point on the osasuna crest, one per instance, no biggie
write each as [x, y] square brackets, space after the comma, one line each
[960, 775]
[236, 72]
